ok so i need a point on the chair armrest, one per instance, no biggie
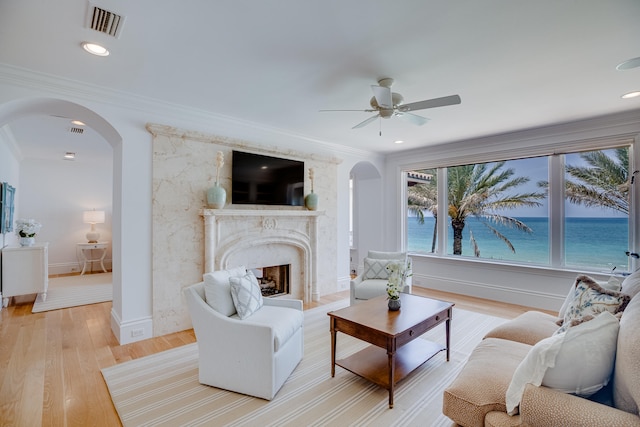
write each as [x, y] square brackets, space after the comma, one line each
[352, 288]
[282, 302]
[213, 327]
[542, 406]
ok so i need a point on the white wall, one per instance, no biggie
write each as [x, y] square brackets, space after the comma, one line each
[55, 194]
[538, 287]
[9, 173]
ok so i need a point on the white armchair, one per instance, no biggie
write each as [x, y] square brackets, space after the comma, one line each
[372, 282]
[254, 356]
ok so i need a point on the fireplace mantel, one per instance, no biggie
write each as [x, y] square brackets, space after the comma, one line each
[229, 233]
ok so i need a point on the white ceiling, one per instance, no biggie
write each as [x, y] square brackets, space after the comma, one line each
[516, 64]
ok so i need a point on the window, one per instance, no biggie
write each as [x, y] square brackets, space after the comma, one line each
[422, 207]
[596, 209]
[506, 211]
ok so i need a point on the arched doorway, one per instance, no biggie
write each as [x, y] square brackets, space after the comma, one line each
[34, 109]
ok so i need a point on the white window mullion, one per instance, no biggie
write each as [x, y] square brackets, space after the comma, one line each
[634, 203]
[556, 210]
[443, 211]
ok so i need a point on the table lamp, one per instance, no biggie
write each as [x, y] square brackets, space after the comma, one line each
[93, 217]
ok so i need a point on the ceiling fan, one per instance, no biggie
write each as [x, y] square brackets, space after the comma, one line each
[387, 104]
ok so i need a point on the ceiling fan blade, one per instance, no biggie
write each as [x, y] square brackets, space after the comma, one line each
[431, 103]
[413, 118]
[360, 111]
[383, 96]
[366, 122]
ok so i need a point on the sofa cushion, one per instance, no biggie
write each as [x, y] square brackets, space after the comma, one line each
[284, 322]
[386, 255]
[371, 288]
[482, 383]
[246, 294]
[376, 268]
[626, 392]
[527, 328]
[217, 289]
[579, 361]
[590, 299]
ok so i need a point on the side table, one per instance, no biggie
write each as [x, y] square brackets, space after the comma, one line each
[86, 252]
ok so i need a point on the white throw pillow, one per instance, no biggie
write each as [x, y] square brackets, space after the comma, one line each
[217, 289]
[246, 294]
[631, 284]
[376, 268]
[578, 361]
[590, 299]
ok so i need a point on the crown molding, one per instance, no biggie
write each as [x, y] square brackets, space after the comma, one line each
[68, 88]
[604, 131]
[173, 132]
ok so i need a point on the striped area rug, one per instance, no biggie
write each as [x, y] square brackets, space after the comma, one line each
[163, 389]
[72, 291]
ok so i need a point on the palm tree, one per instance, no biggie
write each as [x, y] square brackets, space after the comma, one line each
[481, 191]
[603, 183]
[423, 197]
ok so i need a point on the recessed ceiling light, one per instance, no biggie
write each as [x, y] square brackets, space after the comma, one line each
[631, 95]
[629, 64]
[95, 49]
[398, 142]
[69, 155]
[264, 167]
[77, 123]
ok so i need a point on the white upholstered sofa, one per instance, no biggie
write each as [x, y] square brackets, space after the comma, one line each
[372, 282]
[254, 355]
[480, 395]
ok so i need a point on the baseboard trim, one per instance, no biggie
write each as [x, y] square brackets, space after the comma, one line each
[526, 297]
[132, 330]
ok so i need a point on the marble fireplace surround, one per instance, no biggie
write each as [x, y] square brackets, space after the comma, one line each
[259, 238]
[184, 167]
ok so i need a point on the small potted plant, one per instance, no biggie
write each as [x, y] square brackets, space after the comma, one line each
[398, 273]
[27, 229]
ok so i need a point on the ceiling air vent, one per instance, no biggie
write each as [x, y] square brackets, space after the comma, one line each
[104, 21]
[79, 131]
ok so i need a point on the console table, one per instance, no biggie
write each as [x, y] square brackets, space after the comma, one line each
[86, 252]
[25, 270]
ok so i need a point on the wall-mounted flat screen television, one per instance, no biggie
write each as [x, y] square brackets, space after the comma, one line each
[264, 180]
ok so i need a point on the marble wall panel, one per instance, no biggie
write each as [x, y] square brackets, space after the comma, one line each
[183, 169]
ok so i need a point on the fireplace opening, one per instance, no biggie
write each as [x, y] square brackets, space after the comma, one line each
[274, 280]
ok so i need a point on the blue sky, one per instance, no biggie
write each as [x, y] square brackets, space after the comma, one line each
[536, 169]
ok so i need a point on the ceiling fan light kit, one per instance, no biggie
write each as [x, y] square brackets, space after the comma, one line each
[387, 104]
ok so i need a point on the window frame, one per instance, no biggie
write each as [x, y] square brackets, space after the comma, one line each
[556, 200]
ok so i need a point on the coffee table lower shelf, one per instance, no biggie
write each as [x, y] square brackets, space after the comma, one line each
[372, 363]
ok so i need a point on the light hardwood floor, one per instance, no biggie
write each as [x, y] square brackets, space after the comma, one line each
[50, 362]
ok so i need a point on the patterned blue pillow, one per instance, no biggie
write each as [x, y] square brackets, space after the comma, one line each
[589, 300]
[246, 294]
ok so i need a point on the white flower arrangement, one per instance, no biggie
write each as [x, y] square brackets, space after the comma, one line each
[27, 227]
[398, 273]
[219, 164]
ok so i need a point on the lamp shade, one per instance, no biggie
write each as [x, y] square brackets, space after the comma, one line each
[93, 217]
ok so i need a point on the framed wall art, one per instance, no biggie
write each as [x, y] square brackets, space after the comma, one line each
[7, 197]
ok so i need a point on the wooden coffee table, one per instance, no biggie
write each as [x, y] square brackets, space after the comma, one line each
[393, 331]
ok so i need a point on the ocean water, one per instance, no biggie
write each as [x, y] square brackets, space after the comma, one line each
[597, 244]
